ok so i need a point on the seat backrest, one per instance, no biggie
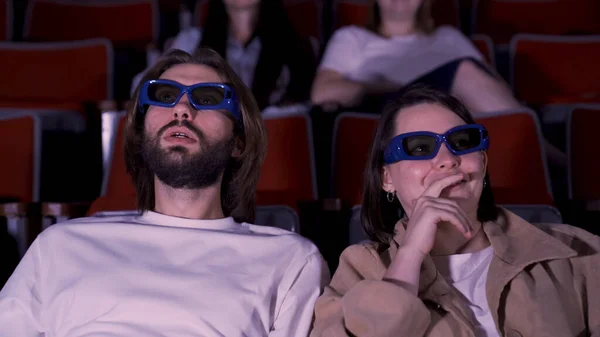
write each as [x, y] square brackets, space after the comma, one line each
[583, 153]
[113, 205]
[287, 176]
[6, 20]
[485, 45]
[278, 216]
[536, 213]
[348, 12]
[352, 138]
[356, 231]
[288, 171]
[118, 182]
[516, 158]
[555, 69]
[126, 24]
[305, 16]
[56, 72]
[20, 150]
[200, 12]
[502, 19]
[356, 12]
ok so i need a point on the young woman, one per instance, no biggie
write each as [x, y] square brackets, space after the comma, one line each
[258, 41]
[443, 259]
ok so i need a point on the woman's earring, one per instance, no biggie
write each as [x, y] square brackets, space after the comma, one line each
[391, 196]
[484, 183]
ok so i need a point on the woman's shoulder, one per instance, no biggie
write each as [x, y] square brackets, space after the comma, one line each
[578, 239]
[447, 32]
[570, 237]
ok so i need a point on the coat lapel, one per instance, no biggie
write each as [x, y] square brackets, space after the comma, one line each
[517, 244]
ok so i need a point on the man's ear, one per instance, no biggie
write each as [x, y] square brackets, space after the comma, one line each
[386, 180]
[238, 148]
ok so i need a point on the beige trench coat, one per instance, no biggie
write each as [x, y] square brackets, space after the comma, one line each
[543, 281]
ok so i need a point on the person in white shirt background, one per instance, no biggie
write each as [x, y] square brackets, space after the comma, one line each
[400, 46]
[189, 264]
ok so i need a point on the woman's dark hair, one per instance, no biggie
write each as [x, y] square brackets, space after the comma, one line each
[379, 216]
[424, 22]
[280, 46]
[238, 187]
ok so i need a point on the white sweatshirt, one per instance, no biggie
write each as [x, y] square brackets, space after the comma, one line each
[157, 275]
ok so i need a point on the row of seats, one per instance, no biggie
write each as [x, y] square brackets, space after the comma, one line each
[501, 19]
[517, 165]
[539, 73]
[60, 75]
[137, 21]
[534, 59]
[131, 24]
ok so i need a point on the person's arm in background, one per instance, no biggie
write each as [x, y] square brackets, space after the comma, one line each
[332, 87]
[331, 84]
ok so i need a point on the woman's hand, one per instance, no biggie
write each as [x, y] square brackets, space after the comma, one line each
[429, 210]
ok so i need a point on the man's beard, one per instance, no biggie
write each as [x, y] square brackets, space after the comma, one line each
[176, 167]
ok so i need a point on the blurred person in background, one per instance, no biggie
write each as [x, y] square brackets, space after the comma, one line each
[400, 46]
[259, 42]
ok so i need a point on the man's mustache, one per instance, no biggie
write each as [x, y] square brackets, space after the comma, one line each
[184, 123]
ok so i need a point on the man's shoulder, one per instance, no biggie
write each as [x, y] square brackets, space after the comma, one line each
[285, 237]
[86, 223]
[92, 220]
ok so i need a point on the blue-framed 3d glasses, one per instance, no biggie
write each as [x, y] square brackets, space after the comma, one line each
[202, 96]
[423, 145]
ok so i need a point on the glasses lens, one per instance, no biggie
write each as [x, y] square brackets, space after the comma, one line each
[464, 140]
[419, 146]
[163, 93]
[208, 95]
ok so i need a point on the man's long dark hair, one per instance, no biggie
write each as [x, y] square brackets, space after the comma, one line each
[280, 45]
[238, 187]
